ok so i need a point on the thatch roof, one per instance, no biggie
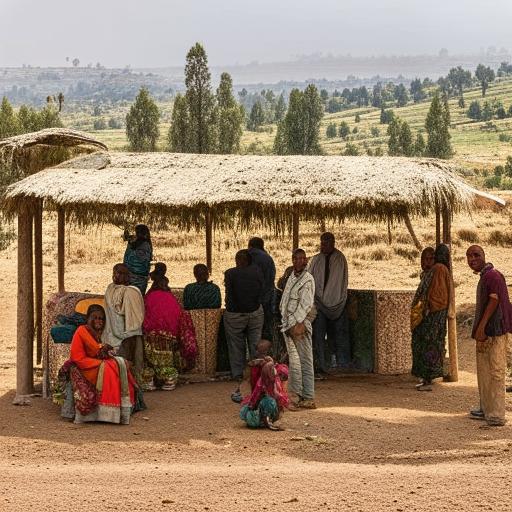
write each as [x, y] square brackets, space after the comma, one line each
[161, 188]
[31, 152]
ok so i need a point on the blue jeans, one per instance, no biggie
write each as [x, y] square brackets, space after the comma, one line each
[338, 341]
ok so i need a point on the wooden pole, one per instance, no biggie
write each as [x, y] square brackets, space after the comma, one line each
[390, 238]
[209, 240]
[438, 226]
[295, 230]
[61, 225]
[453, 375]
[38, 272]
[407, 221]
[25, 312]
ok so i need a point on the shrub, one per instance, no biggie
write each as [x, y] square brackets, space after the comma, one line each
[410, 254]
[378, 151]
[357, 118]
[499, 170]
[351, 150]
[375, 131]
[468, 235]
[504, 137]
[506, 183]
[500, 238]
[492, 182]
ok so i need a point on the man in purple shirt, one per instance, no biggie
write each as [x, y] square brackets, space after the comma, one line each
[492, 323]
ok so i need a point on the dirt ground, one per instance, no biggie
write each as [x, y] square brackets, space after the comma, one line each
[374, 443]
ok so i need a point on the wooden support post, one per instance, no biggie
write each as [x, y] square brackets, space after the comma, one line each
[295, 230]
[61, 225]
[407, 221]
[38, 273]
[390, 238]
[453, 375]
[209, 240]
[438, 226]
[25, 312]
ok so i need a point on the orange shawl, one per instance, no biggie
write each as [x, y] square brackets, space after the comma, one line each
[84, 351]
[439, 291]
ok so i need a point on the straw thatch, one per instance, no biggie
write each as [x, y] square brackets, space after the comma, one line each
[31, 152]
[162, 188]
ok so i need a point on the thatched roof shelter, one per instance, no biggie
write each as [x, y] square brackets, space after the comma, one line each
[207, 190]
[161, 188]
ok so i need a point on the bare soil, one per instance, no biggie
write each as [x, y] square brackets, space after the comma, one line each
[374, 443]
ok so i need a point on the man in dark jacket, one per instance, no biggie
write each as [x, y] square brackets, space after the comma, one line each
[264, 261]
[243, 318]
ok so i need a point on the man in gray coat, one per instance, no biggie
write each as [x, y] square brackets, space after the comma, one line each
[330, 271]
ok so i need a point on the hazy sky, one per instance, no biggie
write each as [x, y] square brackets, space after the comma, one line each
[151, 33]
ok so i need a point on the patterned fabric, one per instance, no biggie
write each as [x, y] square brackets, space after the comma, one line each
[201, 296]
[207, 324]
[84, 393]
[254, 418]
[428, 346]
[187, 339]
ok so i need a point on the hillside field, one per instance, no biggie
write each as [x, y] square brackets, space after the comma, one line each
[476, 144]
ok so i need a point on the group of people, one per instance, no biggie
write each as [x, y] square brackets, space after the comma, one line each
[491, 325]
[137, 342]
[302, 320]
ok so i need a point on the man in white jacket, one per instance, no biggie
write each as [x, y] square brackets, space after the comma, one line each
[296, 310]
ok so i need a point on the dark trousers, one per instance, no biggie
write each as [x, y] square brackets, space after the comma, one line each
[331, 337]
[242, 330]
[268, 321]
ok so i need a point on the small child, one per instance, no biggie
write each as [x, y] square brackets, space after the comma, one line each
[253, 370]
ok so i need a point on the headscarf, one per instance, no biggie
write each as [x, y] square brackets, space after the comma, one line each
[442, 255]
[160, 280]
[142, 235]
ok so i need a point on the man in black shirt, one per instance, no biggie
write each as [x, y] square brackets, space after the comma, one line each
[243, 318]
[262, 259]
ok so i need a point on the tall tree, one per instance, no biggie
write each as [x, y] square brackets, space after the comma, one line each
[437, 125]
[298, 133]
[142, 122]
[405, 137]
[230, 117]
[201, 102]
[8, 121]
[280, 111]
[459, 79]
[178, 136]
[394, 148]
[401, 95]
[256, 117]
[60, 99]
[485, 76]
[417, 92]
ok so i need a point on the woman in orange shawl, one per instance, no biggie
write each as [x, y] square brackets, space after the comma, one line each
[99, 384]
[428, 336]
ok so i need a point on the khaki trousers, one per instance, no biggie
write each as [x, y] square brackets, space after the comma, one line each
[491, 367]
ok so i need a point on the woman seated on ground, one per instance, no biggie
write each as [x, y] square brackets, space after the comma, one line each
[169, 331]
[428, 317]
[99, 385]
[202, 294]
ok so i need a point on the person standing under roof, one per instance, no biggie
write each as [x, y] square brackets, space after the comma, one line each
[429, 313]
[330, 271]
[243, 318]
[202, 294]
[297, 306]
[491, 325]
[138, 256]
[124, 315]
[262, 259]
